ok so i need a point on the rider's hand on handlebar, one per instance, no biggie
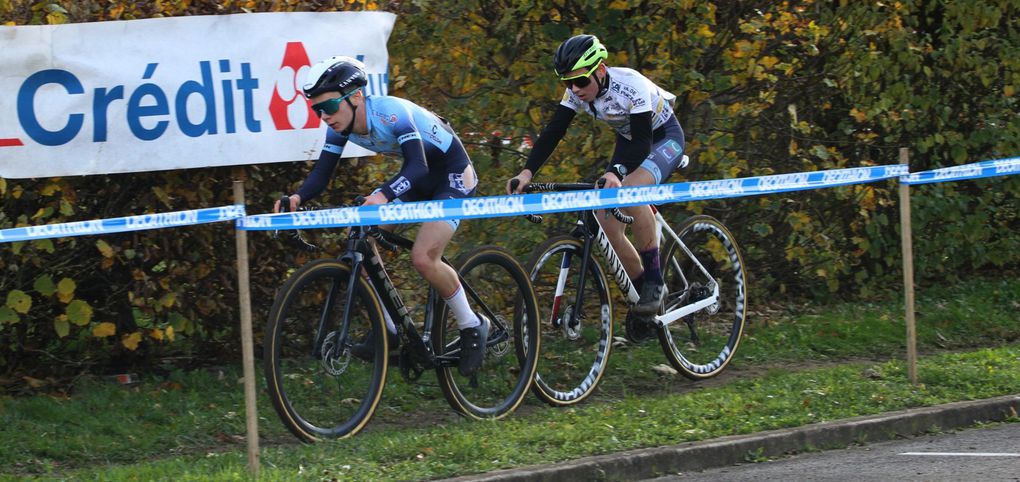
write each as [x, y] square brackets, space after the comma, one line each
[611, 180]
[295, 201]
[376, 198]
[523, 179]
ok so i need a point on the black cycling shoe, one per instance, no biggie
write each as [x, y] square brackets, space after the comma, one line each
[640, 328]
[652, 294]
[472, 347]
[365, 348]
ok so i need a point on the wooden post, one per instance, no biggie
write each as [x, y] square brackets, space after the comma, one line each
[247, 345]
[908, 273]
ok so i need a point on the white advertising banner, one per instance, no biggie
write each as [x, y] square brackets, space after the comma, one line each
[173, 93]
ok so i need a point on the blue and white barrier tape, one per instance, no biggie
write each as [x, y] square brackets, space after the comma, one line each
[1000, 167]
[125, 224]
[554, 202]
[500, 206]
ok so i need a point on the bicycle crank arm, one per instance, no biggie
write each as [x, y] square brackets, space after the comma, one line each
[675, 314]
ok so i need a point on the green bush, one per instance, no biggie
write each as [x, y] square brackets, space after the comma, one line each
[782, 87]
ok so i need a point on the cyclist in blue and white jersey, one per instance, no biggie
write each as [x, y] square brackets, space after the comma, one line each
[649, 147]
[435, 167]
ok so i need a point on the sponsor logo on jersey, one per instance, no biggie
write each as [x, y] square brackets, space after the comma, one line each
[400, 186]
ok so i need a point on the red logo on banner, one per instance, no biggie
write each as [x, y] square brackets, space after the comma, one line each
[295, 57]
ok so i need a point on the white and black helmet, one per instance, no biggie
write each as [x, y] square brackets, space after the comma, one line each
[336, 74]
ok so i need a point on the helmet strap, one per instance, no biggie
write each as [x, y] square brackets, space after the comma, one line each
[354, 115]
[603, 84]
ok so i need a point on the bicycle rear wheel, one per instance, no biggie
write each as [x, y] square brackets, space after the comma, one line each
[701, 344]
[319, 388]
[498, 288]
[576, 339]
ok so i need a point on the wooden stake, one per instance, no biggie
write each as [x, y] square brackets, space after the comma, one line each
[908, 273]
[247, 345]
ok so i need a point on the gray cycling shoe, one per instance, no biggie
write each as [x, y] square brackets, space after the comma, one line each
[472, 347]
[651, 298]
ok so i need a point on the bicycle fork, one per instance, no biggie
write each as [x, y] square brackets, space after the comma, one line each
[355, 260]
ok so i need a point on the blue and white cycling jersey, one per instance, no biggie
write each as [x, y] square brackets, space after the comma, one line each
[393, 121]
[435, 163]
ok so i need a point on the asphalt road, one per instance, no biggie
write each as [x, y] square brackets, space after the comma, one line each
[989, 453]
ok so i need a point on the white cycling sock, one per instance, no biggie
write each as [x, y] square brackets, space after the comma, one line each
[458, 303]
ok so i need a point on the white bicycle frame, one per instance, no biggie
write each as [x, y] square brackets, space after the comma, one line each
[627, 287]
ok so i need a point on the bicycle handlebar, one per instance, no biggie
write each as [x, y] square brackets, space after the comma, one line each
[374, 231]
[295, 239]
[573, 186]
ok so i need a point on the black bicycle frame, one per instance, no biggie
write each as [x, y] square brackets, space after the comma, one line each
[360, 255]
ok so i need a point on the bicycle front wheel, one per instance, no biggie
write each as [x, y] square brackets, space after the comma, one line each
[701, 344]
[498, 288]
[321, 385]
[576, 338]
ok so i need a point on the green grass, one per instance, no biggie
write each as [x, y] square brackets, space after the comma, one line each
[190, 426]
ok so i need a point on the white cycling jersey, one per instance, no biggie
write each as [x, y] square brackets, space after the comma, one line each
[629, 93]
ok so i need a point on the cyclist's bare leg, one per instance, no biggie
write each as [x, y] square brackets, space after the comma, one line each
[623, 247]
[643, 228]
[427, 257]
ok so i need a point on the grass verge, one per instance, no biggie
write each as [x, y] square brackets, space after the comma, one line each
[791, 371]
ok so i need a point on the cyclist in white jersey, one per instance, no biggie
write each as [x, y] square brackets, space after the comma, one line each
[435, 167]
[649, 147]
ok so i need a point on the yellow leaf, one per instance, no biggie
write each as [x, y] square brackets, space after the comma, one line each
[104, 330]
[768, 61]
[168, 300]
[19, 301]
[170, 333]
[1008, 91]
[156, 334]
[79, 312]
[742, 48]
[65, 290]
[618, 5]
[131, 341]
[705, 31]
[61, 326]
[858, 115]
[3, 186]
[49, 189]
[104, 248]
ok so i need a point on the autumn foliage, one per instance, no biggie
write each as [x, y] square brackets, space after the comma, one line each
[763, 88]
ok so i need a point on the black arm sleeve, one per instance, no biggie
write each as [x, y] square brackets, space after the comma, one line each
[318, 179]
[415, 168]
[633, 153]
[550, 137]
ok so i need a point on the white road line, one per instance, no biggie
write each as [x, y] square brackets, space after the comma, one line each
[962, 454]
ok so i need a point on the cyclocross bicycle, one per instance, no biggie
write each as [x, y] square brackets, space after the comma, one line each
[699, 323]
[327, 346]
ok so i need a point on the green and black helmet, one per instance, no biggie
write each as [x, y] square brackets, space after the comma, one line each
[579, 52]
